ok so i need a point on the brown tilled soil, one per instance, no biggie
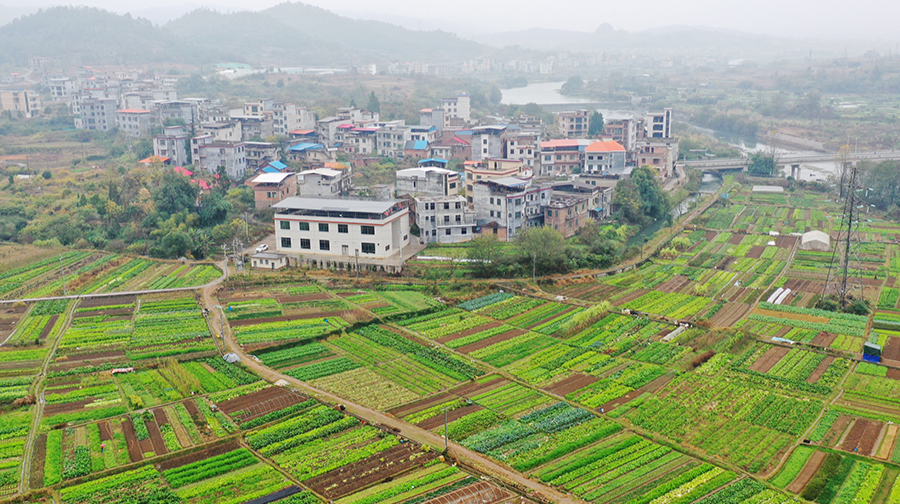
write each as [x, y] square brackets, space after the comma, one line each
[820, 370]
[160, 416]
[156, 440]
[854, 437]
[467, 332]
[650, 387]
[106, 301]
[47, 328]
[131, 441]
[200, 455]
[551, 317]
[263, 401]
[437, 420]
[836, 431]
[674, 284]
[105, 431]
[302, 297]
[767, 360]
[631, 296]
[729, 314]
[755, 252]
[36, 478]
[812, 465]
[406, 409]
[710, 235]
[891, 348]
[55, 409]
[78, 358]
[736, 238]
[568, 385]
[512, 333]
[347, 479]
[110, 313]
[473, 389]
[786, 242]
[893, 373]
[823, 339]
[299, 316]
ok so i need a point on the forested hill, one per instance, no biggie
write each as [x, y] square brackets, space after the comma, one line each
[287, 34]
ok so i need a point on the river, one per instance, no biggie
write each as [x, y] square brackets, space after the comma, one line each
[542, 93]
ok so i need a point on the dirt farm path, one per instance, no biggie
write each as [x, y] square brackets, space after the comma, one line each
[464, 455]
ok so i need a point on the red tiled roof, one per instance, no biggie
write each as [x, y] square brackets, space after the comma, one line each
[302, 132]
[607, 146]
[560, 142]
[184, 171]
[154, 159]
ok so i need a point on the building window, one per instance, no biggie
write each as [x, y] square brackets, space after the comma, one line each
[304, 226]
[368, 248]
[463, 231]
[492, 213]
[367, 230]
[447, 206]
[323, 228]
[492, 201]
[343, 228]
[324, 245]
[447, 232]
[304, 243]
[285, 242]
[285, 224]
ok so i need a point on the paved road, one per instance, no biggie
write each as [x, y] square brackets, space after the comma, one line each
[464, 455]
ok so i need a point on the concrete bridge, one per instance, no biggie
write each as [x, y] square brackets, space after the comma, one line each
[788, 161]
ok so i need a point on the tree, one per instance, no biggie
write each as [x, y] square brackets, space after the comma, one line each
[543, 248]
[572, 86]
[175, 194]
[761, 164]
[596, 124]
[484, 251]
[374, 104]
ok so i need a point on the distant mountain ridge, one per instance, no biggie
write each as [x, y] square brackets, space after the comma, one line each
[286, 34]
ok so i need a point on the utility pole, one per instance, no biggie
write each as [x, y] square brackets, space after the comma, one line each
[357, 265]
[63, 275]
[446, 439]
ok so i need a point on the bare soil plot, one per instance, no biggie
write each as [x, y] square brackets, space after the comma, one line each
[302, 297]
[106, 301]
[736, 238]
[862, 436]
[631, 296]
[755, 252]
[729, 314]
[156, 439]
[131, 441]
[512, 333]
[467, 332]
[473, 389]
[893, 373]
[387, 464]
[261, 402]
[812, 465]
[406, 409]
[767, 360]
[456, 414]
[198, 456]
[891, 348]
[650, 387]
[786, 242]
[36, 478]
[568, 385]
[823, 339]
[551, 317]
[820, 370]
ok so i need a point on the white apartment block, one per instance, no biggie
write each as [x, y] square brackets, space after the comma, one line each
[444, 219]
[341, 228]
[209, 154]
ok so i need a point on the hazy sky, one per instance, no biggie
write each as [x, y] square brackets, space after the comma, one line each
[869, 19]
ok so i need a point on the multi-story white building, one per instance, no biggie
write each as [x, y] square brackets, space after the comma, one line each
[507, 205]
[573, 124]
[391, 138]
[27, 103]
[96, 114]
[134, 122]
[458, 108]
[487, 142]
[524, 147]
[659, 124]
[428, 181]
[210, 154]
[325, 182]
[491, 169]
[341, 228]
[62, 88]
[444, 219]
[174, 143]
[288, 117]
[606, 157]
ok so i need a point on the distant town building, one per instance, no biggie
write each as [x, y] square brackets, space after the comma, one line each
[270, 188]
[490, 169]
[325, 182]
[134, 122]
[508, 205]
[174, 143]
[567, 213]
[606, 157]
[428, 181]
[573, 124]
[209, 154]
[26, 103]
